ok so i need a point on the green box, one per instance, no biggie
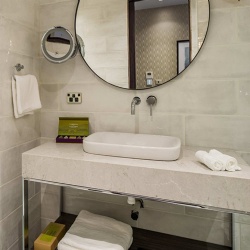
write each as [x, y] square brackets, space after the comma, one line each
[73, 126]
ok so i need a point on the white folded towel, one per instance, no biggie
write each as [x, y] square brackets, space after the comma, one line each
[25, 93]
[217, 161]
[210, 161]
[96, 232]
[230, 162]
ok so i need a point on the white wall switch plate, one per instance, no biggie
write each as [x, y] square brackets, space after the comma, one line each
[74, 97]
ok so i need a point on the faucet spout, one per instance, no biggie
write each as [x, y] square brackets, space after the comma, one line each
[136, 101]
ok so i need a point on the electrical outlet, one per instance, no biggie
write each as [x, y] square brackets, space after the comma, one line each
[158, 81]
[74, 98]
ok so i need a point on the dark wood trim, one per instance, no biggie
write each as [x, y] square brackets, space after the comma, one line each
[132, 63]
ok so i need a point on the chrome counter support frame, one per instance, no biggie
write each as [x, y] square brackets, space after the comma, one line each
[25, 218]
[25, 197]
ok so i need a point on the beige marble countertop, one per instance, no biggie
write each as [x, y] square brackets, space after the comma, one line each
[185, 180]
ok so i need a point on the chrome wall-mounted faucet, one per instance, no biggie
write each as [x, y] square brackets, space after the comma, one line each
[136, 101]
[151, 100]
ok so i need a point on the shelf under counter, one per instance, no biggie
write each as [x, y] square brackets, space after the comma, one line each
[148, 240]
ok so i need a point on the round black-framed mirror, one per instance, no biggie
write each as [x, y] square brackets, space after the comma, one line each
[58, 45]
[147, 29]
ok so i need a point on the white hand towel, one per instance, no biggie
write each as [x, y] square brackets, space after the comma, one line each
[210, 161]
[25, 95]
[96, 232]
[229, 162]
[74, 242]
[13, 87]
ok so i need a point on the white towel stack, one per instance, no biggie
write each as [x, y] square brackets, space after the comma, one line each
[96, 232]
[25, 93]
[217, 161]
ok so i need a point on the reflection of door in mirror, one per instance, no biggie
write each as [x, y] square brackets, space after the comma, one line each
[158, 27]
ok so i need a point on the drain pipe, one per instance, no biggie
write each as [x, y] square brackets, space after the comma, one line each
[137, 204]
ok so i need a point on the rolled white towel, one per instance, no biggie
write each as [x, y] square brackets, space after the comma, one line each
[212, 162]
[229, 162]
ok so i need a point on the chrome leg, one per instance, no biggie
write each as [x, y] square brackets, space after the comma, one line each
[233, 232]
[25, 242]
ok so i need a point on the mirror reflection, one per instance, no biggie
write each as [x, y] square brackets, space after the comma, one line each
[58, 45]
[141, 44]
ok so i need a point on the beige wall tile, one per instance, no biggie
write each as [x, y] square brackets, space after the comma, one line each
[17, 245]
[11, 229]
[164, 207]
[246, 157]
[114, 122]
[53, 189]
[42, 2]
[19, 131]
[243, 24]
[204, 213]
[50, 205]
[49, 124]
[64, 19]
[17, 37]
[227, 61]
[35, 211]
[6, 106]
[10, 162]
[219, 19]
[45, 222]
[218, 131]
[215, 4]
[244, 97]
[19, 33]
[73, 71]
[7, 61]
[73, 205]
[34, 233]
[161, 124]
[10, 197]
[49, 96]
[95, 196]
[208, 230]
[20, 11]
[202, 97]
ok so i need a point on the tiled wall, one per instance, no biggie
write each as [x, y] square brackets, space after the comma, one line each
[18, 32]
[207, 106]
[103, 27]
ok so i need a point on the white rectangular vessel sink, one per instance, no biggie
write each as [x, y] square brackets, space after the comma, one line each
[141, 146]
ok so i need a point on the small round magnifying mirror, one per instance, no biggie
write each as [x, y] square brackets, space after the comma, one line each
[58, 45]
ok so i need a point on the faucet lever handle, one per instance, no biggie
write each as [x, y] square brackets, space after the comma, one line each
[151, 100]
[151, 109]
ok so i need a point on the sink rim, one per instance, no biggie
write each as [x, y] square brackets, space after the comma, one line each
[130, 150]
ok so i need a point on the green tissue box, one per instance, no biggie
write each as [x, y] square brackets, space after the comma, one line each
[72, 129]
